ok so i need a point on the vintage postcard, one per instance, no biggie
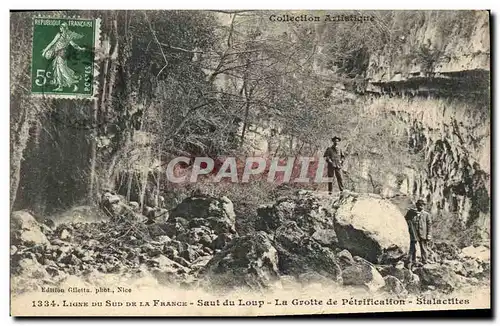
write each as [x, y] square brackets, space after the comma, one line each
[249, 162]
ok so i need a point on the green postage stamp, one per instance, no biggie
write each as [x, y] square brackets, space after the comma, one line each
[63, 57]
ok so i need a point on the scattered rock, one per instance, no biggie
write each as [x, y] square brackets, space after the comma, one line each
[481, 253]
[441, 277]
[445, 250]
[456, 266]
[175, 226]
[412, 283]
[202, 235]
[110, 198]
[30, 268]
[218, 214]
[65, 235]
[391, 255]
[190, 254]
[345, 259]
[157, 230]
[394, 285]
[22, 220]
[309, 278]
[221, 241]
[165, 264]
[149, 212]
[472, 268]
[363, 273]
[26, 230]
[327, 238]
[134, 206]
[113, 205]
[298, 253]
[249, 260]
[49, 223]
[311, 212]
[163, 239]
[170, 252]
[70, 260]
[182, 261]
[201, 262]
[399, 271]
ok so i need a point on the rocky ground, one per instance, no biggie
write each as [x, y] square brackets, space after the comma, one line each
[354, 240]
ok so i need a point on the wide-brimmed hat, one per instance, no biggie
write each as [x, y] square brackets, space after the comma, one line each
[336, 138]
[420, 201]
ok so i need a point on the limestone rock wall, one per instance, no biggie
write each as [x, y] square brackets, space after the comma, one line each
[453, 140]
[463, 46]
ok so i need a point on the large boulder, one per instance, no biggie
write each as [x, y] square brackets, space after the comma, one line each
[250, 261]
[370, 226]
[299, 253]
[26, 230]
[312, 213]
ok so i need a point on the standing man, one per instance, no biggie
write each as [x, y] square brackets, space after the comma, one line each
[420, 228]
[335, 158]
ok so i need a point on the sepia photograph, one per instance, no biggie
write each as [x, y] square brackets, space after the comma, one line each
[249, 162]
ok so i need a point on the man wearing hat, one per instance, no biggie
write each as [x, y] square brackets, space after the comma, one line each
[335, 158]
[420, 228]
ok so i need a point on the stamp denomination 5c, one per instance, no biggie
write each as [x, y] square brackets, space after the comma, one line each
[62, 63]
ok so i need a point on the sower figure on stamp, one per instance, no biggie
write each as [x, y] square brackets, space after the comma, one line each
[335, 158]
[63, 76]
[420, 228]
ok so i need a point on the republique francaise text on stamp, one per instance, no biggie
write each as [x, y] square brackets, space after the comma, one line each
[63, 59]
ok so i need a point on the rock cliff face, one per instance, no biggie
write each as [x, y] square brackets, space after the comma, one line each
[436, 56]
[453, 140]
[437, 87]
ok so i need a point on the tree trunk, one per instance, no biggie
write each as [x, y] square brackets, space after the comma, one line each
[93, 151]
[103, 105]
[245, 121]
[20, 137]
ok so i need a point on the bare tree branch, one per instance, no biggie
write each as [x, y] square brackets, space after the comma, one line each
[181, 49]
[158, 42]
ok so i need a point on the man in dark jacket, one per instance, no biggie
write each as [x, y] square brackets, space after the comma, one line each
[335, 158]
[420, 228]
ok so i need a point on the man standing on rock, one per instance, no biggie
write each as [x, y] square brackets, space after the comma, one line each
[420, 228]
[335, 158]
